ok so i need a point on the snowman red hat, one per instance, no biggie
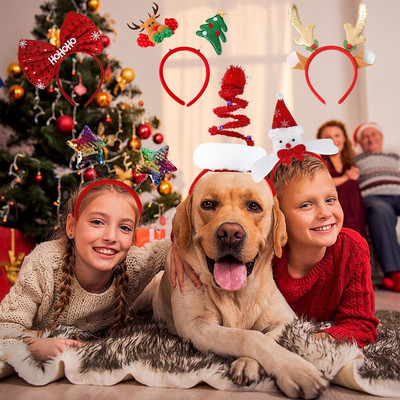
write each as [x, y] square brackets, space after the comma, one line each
[283, 124]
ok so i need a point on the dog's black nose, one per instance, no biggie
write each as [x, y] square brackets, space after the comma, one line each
[230, 234]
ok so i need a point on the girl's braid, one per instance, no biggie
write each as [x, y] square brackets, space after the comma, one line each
[121, 301]
[66, 279]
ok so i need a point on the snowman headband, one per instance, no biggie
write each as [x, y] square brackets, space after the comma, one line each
[40, 61]
[354, 38]
[288, 144]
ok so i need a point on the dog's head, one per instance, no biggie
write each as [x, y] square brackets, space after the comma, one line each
[226, 225]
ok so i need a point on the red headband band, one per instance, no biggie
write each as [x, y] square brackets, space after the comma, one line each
[336, 48]
[206, 79]
[106, 182]
[40, 61]
[271, 186]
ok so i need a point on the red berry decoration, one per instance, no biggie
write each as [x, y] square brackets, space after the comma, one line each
[106, 40]
[65, 124]
[89, 174]
[144, 131]
[137, 178]
[158, 138]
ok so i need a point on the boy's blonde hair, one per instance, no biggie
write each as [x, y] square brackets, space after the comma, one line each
[297, 169]
[121, 279]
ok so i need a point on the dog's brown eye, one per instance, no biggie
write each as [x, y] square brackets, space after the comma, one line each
[254, 207]
[208, 205]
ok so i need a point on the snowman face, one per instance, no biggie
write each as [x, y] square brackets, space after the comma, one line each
[286, 142]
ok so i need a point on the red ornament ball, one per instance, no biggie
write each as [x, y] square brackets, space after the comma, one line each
[108, 119]
[158, 138]
[137, 178]
[89, 174]
[106, 40]
[65, 124]
[38, 177]
[50, 90]
[144, 131]
[141, 103]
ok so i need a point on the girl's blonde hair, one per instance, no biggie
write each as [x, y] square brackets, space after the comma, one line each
[348, 151]
[297, 169]
[121, 279]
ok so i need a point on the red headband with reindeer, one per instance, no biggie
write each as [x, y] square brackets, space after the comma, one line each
[354, 38]
[156, 32]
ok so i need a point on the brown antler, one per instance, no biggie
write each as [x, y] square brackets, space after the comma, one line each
[353, 33]
[306, 33]
[134, 27]
[155, 9]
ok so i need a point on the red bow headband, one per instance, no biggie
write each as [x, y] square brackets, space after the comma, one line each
[106, 182]
[40, 61]
[354, 38]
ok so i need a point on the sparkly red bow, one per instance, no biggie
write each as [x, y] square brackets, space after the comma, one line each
[286, 155]
[40, 61]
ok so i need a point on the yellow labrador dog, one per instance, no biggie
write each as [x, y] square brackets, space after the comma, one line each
[228, 230]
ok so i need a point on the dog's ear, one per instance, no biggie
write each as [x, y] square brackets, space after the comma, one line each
[182, 223]
[279, 228]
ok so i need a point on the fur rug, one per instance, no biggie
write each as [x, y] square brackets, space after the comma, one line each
[148, 353]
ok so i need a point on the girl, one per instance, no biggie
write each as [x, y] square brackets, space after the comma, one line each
[345, 175]
[89, 275]
[324, 272]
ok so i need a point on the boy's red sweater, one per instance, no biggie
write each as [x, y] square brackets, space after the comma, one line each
[338, 289]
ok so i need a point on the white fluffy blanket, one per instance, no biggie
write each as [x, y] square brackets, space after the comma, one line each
[152, 356]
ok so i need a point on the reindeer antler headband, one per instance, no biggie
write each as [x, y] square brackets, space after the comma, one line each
[354, 38]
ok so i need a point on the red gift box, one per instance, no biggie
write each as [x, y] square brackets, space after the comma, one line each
[145, 235]
[14, 246]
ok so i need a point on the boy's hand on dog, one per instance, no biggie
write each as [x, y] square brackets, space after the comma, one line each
[179, 267]
[45, 348]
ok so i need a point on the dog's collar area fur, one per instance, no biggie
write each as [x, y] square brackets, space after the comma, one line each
[229, 259]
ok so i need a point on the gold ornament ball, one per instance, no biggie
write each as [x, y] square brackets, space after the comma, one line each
[128, 74]
[16, 92]
[93, 5]
[135, 144]
[14, 70]
[165, 188]
[103, 99]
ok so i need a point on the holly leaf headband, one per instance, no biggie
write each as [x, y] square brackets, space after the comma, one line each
[40, 61]
[354, 38]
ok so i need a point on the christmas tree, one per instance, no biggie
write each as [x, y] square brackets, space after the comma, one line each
[36, 181]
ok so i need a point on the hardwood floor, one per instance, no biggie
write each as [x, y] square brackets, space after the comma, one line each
[14, 388]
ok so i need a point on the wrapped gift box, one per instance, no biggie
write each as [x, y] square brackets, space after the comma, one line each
[14, 246]
[145, 235]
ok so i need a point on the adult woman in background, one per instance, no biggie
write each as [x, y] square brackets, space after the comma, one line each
[345, 175]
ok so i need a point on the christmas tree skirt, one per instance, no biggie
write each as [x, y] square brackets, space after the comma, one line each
[148, 353]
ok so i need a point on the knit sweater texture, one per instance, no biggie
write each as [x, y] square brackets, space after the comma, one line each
[30, 302]
[337, 289]
[379, 174]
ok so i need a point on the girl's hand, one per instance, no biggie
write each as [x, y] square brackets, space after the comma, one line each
[45, 348]
[178, 267]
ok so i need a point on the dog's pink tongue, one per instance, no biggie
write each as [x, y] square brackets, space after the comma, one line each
[230, 276]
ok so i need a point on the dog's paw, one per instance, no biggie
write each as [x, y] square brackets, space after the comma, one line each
[301, 379]
[245, 371]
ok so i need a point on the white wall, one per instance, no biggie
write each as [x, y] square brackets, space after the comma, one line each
[259, 37]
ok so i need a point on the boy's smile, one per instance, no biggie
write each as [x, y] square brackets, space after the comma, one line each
[312, 211]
